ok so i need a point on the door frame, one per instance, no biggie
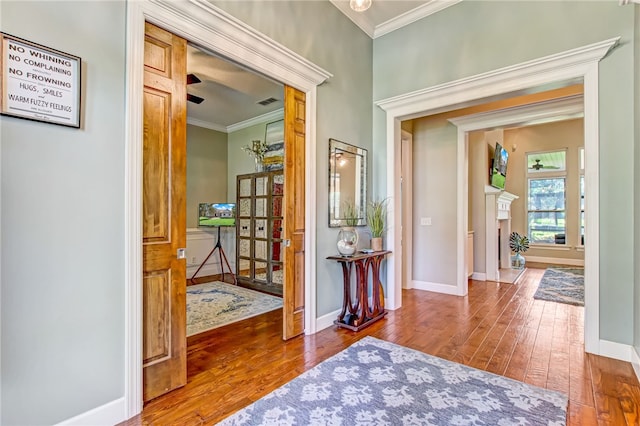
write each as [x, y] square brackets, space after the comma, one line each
[216, 30]
[578, 63]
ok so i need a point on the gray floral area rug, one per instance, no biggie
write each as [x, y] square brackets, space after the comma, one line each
[563, 285]
[212, 305]
[374, 382]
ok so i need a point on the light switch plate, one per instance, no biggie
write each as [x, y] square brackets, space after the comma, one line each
[425, 221]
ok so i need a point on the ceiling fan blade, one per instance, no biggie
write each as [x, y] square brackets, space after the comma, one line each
[193, 79]
[195, 99]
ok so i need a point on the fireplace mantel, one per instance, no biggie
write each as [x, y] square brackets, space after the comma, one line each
[497, 219]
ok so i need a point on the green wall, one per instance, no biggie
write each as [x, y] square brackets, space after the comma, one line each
[473, 37]
[63, 226]
[318, 31]
[62, 197]
[206, 169]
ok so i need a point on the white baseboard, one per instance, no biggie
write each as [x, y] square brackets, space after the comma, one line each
[326, 321]
[208, 269]
[436, 287]
[615, 350]
[635, 362]
[555, 260]
[479, 276]
[108, 414]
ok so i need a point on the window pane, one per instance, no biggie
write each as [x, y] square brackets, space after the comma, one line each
[545, 226]
[546, 194]
[547, 162]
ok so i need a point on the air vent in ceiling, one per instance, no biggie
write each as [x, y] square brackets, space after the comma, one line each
[267, 101]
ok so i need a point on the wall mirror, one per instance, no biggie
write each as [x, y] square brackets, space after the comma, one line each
[347, 184]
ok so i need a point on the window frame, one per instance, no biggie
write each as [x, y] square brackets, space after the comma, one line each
[545, 174]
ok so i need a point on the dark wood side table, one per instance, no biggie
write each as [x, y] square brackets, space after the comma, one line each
[356, 313]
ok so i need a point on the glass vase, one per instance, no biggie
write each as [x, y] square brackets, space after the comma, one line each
[347, 241]
[517, 261]
[259, 165]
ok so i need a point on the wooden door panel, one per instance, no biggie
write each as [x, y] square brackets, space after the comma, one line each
[157, 345]
[156, 178]
[294, 212]
[164, 213]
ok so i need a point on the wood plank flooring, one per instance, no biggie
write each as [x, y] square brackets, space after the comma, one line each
[498, 327]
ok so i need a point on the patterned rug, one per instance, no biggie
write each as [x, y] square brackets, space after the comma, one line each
[212, 305]
[374, 382]
[562, 285]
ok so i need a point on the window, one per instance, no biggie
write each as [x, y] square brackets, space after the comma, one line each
[546, 207]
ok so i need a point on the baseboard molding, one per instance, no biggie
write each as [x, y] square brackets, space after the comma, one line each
[479, 276]
[208, 269]
[110, 413]
[326, 321]
[615, 350]
[635, 362]
[555, 260]
[436, 287]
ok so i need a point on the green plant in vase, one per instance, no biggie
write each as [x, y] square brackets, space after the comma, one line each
[518, 244]
[377, 219]
[351, 216]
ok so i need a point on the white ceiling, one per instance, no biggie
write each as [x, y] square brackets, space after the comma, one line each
[231, 93]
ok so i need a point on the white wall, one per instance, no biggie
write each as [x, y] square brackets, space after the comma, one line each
[63, 226]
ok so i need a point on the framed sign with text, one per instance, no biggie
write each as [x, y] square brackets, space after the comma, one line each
[39, 83]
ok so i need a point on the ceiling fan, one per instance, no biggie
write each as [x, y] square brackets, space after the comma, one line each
[538, 165]
[193, 79]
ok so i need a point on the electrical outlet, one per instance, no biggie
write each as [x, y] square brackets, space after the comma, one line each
[193, 260]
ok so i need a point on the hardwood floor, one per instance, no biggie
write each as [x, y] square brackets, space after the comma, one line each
[498, 328]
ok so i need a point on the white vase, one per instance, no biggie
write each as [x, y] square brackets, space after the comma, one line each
[347, 241]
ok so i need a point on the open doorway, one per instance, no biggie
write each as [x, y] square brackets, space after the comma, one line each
[242, 44]
[234, 210]
[530, 77]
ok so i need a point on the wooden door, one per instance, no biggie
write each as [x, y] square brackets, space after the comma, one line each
[164, 213]
[294, 213]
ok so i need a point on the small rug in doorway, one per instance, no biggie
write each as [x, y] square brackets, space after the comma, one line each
[212, 305]
[375, 382]
[562, 285]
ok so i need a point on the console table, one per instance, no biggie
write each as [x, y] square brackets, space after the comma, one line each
[356, 313]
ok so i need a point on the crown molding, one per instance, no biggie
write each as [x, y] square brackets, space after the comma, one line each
[374, 31]
[206, 124]
[270, 116]
[357, 18]
[264, 118]
[413, 15]
[503, 80]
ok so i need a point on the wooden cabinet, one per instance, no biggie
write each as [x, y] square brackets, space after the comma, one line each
[259, 221]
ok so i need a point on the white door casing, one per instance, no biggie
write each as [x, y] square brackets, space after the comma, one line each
[208, 26]
[578, 63]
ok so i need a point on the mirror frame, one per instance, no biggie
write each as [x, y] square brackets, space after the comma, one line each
[335, 147]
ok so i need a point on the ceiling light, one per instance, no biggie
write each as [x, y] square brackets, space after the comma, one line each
[360, 5]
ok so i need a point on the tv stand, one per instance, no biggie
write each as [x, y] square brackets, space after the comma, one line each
[222, 256]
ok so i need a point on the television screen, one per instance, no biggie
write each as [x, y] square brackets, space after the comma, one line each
[499, 167]
[217, 214]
